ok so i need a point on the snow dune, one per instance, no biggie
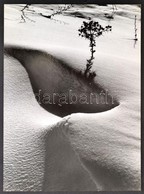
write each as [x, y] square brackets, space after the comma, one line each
[110, 158]
[41, 157]
[80, 152]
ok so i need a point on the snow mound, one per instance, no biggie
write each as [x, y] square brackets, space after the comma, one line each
[109, 154]
[82, 157]
[24, 125]
[59, 88]
[81, 152]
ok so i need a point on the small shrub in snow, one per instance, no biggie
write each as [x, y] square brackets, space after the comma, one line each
[60, 10]
[91, 30]
[23, 15]
[135, 28]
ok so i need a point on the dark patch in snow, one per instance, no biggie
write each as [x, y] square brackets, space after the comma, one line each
[50, 76]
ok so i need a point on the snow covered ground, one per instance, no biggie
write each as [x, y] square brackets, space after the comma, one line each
[82, 151]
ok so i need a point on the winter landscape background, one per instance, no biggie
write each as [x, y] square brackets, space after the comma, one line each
[80, 147]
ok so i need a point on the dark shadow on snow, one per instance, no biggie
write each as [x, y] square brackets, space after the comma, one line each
[59, 88]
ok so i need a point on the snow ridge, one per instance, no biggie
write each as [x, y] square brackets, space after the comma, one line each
[111, 168]
[64, 170]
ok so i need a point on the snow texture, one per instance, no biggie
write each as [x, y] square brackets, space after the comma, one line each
[80, 152]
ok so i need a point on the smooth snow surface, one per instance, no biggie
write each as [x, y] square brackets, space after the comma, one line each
[80, 152]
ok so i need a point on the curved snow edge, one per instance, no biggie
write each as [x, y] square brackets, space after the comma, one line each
[130, 182]
[50, 76]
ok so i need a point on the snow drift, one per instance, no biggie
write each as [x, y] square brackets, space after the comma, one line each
[65, 156]
[81, 152]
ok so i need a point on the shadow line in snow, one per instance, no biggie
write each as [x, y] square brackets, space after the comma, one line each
[63, 169]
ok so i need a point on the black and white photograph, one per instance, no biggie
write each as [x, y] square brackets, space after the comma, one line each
[72, 97]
